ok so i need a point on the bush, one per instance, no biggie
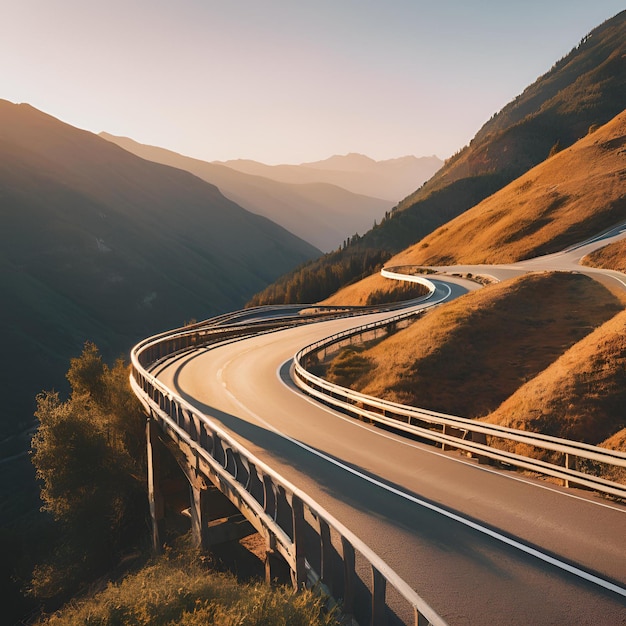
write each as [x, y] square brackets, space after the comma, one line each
[89, 455]
[178, 589]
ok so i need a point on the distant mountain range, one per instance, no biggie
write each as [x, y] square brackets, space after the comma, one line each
[98, 244]
[392, 179]
[585, 89]
[323, 202]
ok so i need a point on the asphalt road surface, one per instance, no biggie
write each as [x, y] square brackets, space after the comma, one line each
[481, 546]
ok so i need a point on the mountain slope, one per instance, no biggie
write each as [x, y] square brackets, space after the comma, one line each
[611, 257]
[586, 88]
[571, 196]
[319, 212]
[99, 244]
[467, 356]
[392, 179]
[581, 396]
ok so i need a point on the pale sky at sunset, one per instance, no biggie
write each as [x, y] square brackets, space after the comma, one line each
[285, 81]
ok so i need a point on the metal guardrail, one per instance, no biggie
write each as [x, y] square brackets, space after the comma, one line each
[580, 464]
[316, 546]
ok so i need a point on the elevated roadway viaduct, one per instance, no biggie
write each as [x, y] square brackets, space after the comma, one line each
[481, 546]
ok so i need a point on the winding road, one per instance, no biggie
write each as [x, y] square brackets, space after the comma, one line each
[481, 546]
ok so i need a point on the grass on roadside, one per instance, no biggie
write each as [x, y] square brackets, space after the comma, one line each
[178, 588]
[468, 356]
[376, 289]
[611, 257]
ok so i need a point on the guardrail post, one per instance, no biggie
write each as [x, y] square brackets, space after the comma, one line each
[155, 495]
[420, 620]
[297, 513]
[326, 547]
[349, 575]
[379, 588]
[276, 568]
[570, 463]
[269, 497]
[482, 439]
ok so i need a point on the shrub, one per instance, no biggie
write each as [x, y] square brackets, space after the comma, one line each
[178, 589]
[89, 455]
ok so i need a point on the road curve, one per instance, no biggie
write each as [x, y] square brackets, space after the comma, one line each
[568, 260]
[481, 547]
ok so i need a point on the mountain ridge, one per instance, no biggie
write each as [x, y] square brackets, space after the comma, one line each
[398, 175]
[591, 82]
[322, 213]
[98, 244]
[571, 196]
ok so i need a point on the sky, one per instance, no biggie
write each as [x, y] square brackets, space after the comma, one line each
[285, 81]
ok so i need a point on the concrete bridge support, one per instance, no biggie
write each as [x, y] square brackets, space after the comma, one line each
[213, 518]
[155, 491]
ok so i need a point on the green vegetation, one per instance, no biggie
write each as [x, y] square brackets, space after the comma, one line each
[318, 279]
[179, 589]
[89, 453]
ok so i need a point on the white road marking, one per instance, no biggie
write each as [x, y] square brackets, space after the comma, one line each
[605, 584]
[405, 442]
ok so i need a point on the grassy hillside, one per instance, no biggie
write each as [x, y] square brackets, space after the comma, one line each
[581, 396]
[375, 289]
[585, 88]
[183, 590]
[318, 212]
[571, 196]
[611, 257]
[468, 356]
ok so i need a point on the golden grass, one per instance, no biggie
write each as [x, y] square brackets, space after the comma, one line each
[466, 357]
[570, 196]
[616, 441]
[358, 293]
[178, 590]
[611, 257]
[581, 396]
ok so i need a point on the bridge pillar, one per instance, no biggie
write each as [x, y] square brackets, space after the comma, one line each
[198, 501]
[276, 568]
[155, 493]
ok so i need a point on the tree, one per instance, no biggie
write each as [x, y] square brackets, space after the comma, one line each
[555, 149]
[89, 454]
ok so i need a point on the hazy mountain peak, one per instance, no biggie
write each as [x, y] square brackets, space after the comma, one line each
[350, 161]
[390, 180]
